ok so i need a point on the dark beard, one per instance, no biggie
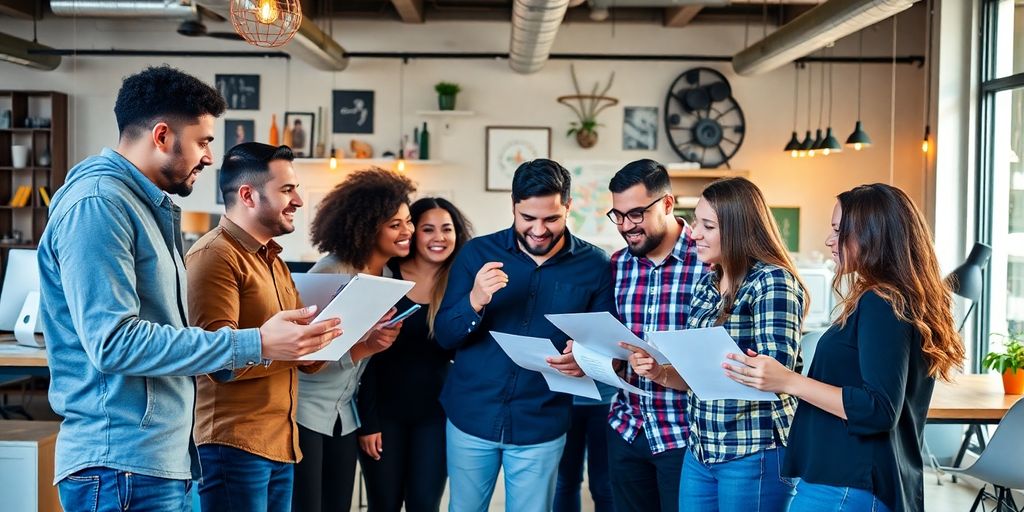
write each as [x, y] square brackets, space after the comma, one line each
[650, 243]
[271, 219]
[543, 251]
[169, 171]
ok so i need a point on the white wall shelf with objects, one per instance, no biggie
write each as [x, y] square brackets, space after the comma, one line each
[379, 162]
[446, 117]
[689, 182]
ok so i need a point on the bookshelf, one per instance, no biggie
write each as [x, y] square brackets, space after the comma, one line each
[38, 122]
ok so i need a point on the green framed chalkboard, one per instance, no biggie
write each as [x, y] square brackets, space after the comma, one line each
[788, 219]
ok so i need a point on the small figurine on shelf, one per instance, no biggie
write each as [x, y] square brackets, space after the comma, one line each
[361, 149]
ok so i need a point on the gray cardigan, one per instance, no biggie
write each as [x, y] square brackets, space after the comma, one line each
[328, 394]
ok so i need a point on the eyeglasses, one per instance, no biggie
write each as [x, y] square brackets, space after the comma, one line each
[636, 215]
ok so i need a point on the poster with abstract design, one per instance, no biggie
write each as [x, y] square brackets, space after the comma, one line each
[640, 128]
[353, 111]
[509, 146]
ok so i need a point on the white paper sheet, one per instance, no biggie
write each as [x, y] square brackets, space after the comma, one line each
[319, 289]
[363, 301]
[602, 332]
[532, 353]
[599, 367]
[698, 354]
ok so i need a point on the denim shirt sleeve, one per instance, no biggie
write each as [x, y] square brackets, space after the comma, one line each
[456, 319]
[94, 246]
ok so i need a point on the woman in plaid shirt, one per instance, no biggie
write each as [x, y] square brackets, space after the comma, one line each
[736, 447]
[857, 434]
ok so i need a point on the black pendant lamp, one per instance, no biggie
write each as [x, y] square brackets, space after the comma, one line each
[859, 138]
[831, 144]
[793, 146]
[807, 146]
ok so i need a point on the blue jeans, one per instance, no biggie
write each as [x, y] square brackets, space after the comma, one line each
[748, 484]
[586, 436]
[235, 479]
[110, 490]
[473, 465]
[828, 498]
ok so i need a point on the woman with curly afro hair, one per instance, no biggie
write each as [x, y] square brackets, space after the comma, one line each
[360, 225]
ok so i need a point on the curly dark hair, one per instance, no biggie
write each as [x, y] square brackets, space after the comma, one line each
[349, 217]
[163, 93]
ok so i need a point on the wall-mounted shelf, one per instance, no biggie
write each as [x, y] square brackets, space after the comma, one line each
[380, 162]
[446, 117]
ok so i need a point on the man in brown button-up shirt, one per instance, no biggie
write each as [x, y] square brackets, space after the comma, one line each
[245, 419]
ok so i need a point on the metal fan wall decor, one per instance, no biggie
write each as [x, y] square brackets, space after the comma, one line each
[704, 122]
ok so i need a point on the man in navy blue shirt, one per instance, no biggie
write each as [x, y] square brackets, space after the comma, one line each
[500, 415]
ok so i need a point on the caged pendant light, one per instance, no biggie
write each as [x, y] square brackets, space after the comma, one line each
[266, 23]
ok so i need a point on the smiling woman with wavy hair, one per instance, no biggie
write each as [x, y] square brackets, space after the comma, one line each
[865, 399]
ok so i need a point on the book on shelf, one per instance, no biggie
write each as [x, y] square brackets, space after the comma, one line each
[21, 196]
[44, 195]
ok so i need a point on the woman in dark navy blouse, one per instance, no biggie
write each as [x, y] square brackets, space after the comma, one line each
[856, 438]
[398, 394]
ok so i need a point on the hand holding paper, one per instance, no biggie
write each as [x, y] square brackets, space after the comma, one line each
[759, 372]
[602, 332]
[599, 367]
[698, 354]
[531, 354]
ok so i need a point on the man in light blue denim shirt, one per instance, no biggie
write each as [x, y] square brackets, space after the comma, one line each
[114, 306]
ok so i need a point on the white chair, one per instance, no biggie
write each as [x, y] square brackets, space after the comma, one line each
[999, 463]
[808, 344]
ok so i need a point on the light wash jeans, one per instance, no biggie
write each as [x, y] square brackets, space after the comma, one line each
[748, 484]
[828, 498]
[473, 465]
[110, 490]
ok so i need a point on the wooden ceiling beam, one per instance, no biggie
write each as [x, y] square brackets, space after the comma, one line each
[25, 9]
[681, 16]
[411, 11]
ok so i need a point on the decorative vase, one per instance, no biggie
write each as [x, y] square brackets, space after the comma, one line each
[586, 138]
[275, 135]
[19, 156]
[446, 101]
[1013, 382]
[44, 158]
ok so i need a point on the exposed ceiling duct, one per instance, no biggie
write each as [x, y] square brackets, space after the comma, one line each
[316, 48]
[174, 9]
[16, 51]
[815, 29]
[534, 27]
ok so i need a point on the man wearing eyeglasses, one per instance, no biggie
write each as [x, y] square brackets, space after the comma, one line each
[653, 276]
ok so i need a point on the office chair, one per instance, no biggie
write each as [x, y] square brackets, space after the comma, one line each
[1000, 463]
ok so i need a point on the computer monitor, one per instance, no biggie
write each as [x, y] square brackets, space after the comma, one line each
[21, 278]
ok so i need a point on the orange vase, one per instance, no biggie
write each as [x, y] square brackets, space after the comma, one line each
[275, 135]
[1013, 382]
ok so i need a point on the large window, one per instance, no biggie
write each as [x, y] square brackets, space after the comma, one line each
[1001, 167]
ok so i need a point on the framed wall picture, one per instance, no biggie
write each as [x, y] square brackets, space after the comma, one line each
[219, 195]
[237, 131]
[302, 127]
[509, 146]
[640, 128]
[353, 111]
[788, 219]
[241, 92]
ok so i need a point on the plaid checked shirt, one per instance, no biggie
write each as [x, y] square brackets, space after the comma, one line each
[649, 298]
[766, 318]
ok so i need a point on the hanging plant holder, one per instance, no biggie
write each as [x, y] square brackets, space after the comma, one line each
[587, 107]
[266, 23]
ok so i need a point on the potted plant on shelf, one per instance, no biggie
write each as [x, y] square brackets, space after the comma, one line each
[446, 92]
[1010, 364]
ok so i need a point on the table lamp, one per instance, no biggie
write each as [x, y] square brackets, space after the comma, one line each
[966, 281]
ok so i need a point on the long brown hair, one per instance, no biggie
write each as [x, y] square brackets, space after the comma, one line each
[885, 246]
[463, 232]
[748, 234]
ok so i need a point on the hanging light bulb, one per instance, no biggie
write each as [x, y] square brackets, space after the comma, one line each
[334, 160]
[805, 146]
[818, 144]
[924, 142]
[830, 144]
[267, 11]
[400, 166]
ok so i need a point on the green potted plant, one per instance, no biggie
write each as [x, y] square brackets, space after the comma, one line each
[1010, 364]
[585, 131]
[446, 92]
